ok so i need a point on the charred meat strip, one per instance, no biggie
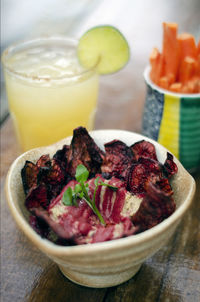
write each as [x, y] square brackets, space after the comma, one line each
[144, 149]
[83, 150]
[118, 159]
[156, 206]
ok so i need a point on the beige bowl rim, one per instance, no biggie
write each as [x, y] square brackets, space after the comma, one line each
[108, 246]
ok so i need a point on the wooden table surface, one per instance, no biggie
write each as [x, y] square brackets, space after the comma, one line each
[173, 273]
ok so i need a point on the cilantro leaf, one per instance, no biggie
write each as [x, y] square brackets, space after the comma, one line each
[67, 197]
[82, 173]
[77, 188]
[81, 191]
[96, 181]
[109, 186]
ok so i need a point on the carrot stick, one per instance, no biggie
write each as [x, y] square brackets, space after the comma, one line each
[198, 65]
[175, 87]
[192, 86]
[164, 82]
[153, 58]
[170, 49]
[185, 89]
[156, 61]
[171, 78]
[187, 46]
[154, 55]
[187, 69]
[198, 48]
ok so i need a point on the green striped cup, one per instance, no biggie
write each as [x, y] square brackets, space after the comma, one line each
[173, 119]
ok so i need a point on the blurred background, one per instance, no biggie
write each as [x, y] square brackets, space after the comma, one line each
[141, 23]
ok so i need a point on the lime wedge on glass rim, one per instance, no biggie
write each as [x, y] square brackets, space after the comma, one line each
[104, 47]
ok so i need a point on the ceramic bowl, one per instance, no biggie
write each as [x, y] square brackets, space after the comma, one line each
[109, 263]
[173, 119]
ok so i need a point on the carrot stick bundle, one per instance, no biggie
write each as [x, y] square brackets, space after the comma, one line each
[177, 68]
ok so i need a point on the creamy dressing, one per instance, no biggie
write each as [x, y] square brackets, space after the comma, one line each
[131, 205]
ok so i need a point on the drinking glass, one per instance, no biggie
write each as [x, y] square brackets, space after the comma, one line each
[49, 93]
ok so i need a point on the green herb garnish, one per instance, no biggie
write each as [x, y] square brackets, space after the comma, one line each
[81, 189]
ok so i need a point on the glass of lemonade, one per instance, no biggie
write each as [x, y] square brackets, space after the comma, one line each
[49, 93]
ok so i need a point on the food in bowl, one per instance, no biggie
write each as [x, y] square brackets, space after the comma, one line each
[86, 195]
[177, 67]
[107, 263]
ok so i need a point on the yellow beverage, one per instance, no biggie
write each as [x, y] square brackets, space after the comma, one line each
[49, 93]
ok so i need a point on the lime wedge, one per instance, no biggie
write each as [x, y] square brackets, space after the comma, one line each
[104, 47]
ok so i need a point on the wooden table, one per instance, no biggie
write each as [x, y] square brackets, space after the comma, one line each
[173, 273]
